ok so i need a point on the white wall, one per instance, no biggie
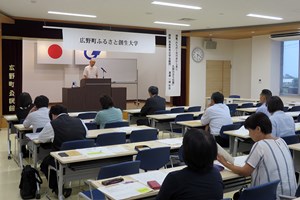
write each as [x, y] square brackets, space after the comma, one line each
[241, 68]
[50, 79]
[198, 70]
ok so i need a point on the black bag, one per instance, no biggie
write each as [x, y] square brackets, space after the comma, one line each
[30, 183]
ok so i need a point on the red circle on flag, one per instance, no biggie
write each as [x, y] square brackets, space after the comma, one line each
[55, 51]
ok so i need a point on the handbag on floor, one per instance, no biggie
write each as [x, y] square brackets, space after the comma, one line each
[30, 183]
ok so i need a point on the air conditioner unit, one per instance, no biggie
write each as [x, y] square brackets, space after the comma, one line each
[286, 36]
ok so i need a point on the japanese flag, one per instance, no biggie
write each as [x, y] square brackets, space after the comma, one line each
[52, 52]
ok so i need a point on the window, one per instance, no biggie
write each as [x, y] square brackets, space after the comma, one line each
[290, 68]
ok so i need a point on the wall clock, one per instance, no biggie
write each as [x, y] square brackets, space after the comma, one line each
[197, 54]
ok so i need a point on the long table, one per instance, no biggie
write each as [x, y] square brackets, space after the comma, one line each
[242, 133]
[90, 134]
[170, 116]
[105, 155]
[231, 182]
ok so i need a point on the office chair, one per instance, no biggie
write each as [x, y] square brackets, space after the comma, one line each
[178, 157]
[91, 125]
[162, 112]
[143, 135]
[232, 108]
[116, 124]
[111, 139]
[177, 110]
[295, 108]
[223, 139]
[180, 118]
[265, 191]
[153, 159]
[194, 109]
[247, 105]
[234, 96]
[87, 115]
[120, 169]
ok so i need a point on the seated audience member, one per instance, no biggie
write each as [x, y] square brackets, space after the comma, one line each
[199, 180]
[282, 124]
[269, 158]
[108, 113]
[154, 103]
[216, 116]
[24, 106]
[263, 99]
[62, 128]
[38, 116]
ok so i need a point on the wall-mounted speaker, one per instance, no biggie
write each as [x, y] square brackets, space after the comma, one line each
[209, 44]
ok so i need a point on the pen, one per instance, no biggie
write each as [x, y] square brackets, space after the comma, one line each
[128, 182]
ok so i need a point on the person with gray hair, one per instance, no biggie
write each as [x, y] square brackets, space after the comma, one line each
[154, 103]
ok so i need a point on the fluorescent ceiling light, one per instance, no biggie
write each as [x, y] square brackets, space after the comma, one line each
[175, 5]
[71, 14]
[264, 16]
[170, 23]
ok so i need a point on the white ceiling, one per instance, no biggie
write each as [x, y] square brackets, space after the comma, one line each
[141, 13]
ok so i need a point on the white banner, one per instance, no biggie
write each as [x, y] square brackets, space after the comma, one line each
[52, 52]
[84, 57]
[173, 63]
[83, 39]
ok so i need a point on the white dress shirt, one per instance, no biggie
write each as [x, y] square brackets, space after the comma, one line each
[37, 119]
[264, 109]
[282, 124]
[216, 116]
[91, 72]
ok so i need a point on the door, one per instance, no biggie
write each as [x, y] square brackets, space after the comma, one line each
[218, 75]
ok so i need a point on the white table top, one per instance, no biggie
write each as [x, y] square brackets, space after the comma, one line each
[171, 115]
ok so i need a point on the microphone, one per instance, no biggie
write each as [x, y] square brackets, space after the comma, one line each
[103, 70]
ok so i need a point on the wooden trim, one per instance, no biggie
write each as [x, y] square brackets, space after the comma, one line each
[187, 76]
[6, 19]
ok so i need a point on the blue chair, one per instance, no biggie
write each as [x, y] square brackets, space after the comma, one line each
[179, 156]
[194, 109]
[162, 112]
[199, 116]
[247, 105]
[87, 115]
[143, 135]
[153, 159]
[232, 108]
[177, 110]
[265, 191]
[291, 139]
[120, 169]
[224, 138]
[91, 125]
[295, 108]
[285, 109]
[77, 144]
[116, 124]
[234, 96]
[258, 104]
[111, 139]
[180, 118]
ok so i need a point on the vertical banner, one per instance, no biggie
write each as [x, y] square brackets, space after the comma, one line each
[11, 74]
[173, 63]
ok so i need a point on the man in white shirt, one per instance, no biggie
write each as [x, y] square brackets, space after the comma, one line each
[217, 114]
[264, 97]
[90, 71]
[38, 116]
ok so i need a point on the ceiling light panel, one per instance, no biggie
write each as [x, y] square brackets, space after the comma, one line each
[170, 23]
[71, 14]
[176, 5]
[264, 16]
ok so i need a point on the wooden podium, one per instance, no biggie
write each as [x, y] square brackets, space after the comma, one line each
[86, 97]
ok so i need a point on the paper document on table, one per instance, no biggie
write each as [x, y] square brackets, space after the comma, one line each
[128, 128]
[158, 176]
[172, 141]
[32, 136]
[297, 126]
[117, 149]
[125, 190]
[242, 131]
[244, 117]
[225, 154]
[240, 160]
[96, 151]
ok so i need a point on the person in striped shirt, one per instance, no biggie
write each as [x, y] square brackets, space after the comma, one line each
[269, 159]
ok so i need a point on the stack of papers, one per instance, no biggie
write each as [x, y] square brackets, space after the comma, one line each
[173, 141]
[95, 152]
[125, 190]
[242, 131]
[157, 175]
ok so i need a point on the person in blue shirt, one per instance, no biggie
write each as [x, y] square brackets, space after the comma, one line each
[200, 179]
[263, 99]
[108, 113]
[282, 124]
